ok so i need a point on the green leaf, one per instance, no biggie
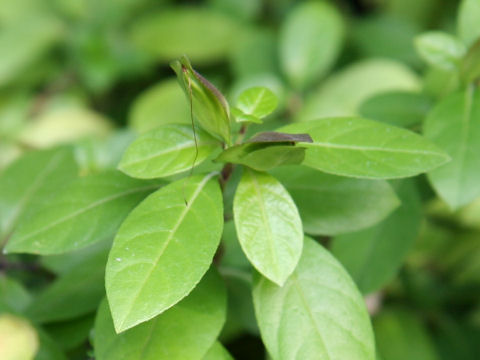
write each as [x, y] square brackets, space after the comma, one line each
[163, 103]
[204, 35]
[262, 157]
[364, 148]
[87, 210]
[440, 49]
[336, 96]
[49, 349]
[217, 352]
[163, 249]
[241, 117]
[13, 296]
[317, 314]
[31, 178]
[73, 294]
[257, 101]
[184, 332]
[400, 335]
[454, 125]
[374, 255]
[268, 225]
[331, 205]
[469, 21]
[471, 63]
[399, 108]
[208, 105]
[167, 150]
[71, 334]
[310, 41]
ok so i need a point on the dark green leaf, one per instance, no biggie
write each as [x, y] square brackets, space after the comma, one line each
[331, 205]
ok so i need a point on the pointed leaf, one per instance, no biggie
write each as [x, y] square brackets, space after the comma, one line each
[317, 314]
[373, 256]
[440, 49]
[469, 21]
[32, 177]
[268, 225]
[454, 125]
[87, 210]
[331, 205]
[209, 106]
[163, 249]
[167, 150]
[257, 101]
[183, 332]
[363, 148]
[217, 352]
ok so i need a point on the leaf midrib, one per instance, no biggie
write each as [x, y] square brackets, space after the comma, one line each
[322, 144]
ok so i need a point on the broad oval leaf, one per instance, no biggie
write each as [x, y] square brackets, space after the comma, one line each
[317, 314]
[331, 205]
[373, 256]
[87, 210]
[257, 101]
[468, 21]
[454, 125]
[208, 105]
[364, 148]
[310, 41]
[440, 49]
[30, 179]
[167, 150]
[183, 332]
[163, 249]
[268, 225]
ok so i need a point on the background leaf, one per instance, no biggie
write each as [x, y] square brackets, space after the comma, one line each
[363, 148]
[373, 256]
[310, 41]
[183, 332]
[318, 313]
[163, 249]
[268, 225]
[331, 205]
[440, 49]
[454, 125]
[257, 101]
[97, 203]
[167, 150]
[468, 25]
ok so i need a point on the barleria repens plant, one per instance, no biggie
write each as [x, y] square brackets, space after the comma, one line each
[254, 213]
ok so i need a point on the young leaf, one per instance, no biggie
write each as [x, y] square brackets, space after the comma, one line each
[331, 205]
[469, 21]
[217, 352]
[167, 150]
[209, 106]
[257, 101]
[87, 210]
[73, 294]
[183, 332]
[268, 225]
[32, 177]
[399, 108]
[373, 256]
[317, 314]
[454, 125]
[440, 49]
[363, 148]
[471, 63]
[310, 41]
[163, 249]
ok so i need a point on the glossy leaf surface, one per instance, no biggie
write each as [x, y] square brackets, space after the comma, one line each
[310, 41]
[167, 150]
[163, 249]
[331, 205]
[183, 332]
[87, 210]
[373, 256]
[268, 225]
[317, 314]
[454, 125]
[364, 148]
